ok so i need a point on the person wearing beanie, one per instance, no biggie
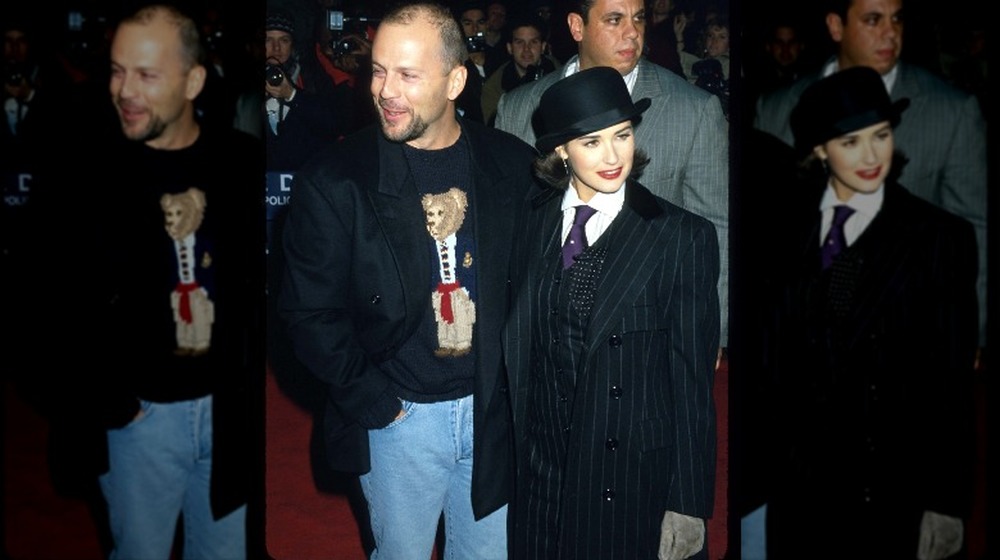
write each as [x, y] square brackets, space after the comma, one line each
[302, 109]
[871, 334]
[611, 343]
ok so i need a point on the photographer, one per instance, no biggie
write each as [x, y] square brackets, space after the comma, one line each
[301, 106]
[343, 48]
[471, 18]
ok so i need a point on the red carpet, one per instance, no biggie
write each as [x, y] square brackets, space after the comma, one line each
[39, 524]
[304, 523]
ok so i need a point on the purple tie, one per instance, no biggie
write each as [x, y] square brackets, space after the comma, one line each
[835, 240]
[576, 241]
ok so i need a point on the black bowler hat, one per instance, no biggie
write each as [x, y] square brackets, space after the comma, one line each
[841, 103]
[588, 100]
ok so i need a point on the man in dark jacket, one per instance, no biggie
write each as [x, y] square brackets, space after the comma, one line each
[161, 242]
[395, 293]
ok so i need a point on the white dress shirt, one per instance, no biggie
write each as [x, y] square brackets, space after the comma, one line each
[608, 205]
[865, 206]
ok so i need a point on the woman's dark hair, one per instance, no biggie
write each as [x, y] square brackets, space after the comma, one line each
[551, 169]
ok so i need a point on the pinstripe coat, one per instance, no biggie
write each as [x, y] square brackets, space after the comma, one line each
[942, 135]
[643, 422]
[871, 407]
[685, 135]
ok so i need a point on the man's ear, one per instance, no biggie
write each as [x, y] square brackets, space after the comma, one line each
[456, 81]
[195, 82]
[835, 26]
[575, 22]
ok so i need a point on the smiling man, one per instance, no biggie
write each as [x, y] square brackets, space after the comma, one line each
[175, 302]
[395, 292]
[685, 135]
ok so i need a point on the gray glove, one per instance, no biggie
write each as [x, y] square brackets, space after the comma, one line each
[940, 536]
[681, 536]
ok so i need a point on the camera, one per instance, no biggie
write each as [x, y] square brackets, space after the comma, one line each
[476, 43]
[274, 74]
[14, 74]
[344, 46]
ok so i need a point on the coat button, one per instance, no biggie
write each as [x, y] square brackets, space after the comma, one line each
[375, 299]
[566, 429]
[608, 495]
[554, 311]
[611, 444]
[615, 340]
[616, 392]
[563, 398]
[555, 340]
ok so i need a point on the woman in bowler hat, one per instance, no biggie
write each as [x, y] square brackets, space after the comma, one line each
[610, 344]
[873, 335]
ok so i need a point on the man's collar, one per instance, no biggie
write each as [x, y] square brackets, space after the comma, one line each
[889, 78]
[573, 66]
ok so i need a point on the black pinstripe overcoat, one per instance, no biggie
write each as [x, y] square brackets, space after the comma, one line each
[643, 423]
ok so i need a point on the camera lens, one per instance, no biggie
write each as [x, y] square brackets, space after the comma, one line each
[13, 75]
[274, 75]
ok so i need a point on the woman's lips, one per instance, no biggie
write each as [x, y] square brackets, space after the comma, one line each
[869, 174]
[613, 174]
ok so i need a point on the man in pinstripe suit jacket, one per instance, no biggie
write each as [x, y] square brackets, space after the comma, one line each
[943, 136]
[684, 132]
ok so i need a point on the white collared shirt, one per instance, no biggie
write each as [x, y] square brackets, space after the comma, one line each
[573, 66]
[608, 205]
[889, 78]
[865, 206]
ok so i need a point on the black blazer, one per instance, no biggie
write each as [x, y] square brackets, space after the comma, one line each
[646, 380]
[881, 387]
[355, 247]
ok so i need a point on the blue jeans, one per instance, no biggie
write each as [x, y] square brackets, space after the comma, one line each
[753, 545]
[160, 469]
[421, 468]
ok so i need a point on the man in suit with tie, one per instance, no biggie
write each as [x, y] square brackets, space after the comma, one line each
[684, 134]
[944, 135]
[397, 244]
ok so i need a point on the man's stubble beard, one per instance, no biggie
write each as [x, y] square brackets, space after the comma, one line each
[415, 129]
[152, 131]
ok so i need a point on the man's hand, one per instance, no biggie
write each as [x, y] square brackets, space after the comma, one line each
[940, 536]
[282, 91]
[681, 536]
[20, 91]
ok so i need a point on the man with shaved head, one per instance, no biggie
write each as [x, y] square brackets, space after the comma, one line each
[395, 293]
[174, 260]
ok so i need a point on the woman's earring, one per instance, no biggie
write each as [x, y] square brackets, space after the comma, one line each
[566, 167]
[826, 166]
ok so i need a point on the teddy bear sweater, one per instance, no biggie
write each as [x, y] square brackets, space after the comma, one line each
[184, 265]
[438, 362]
